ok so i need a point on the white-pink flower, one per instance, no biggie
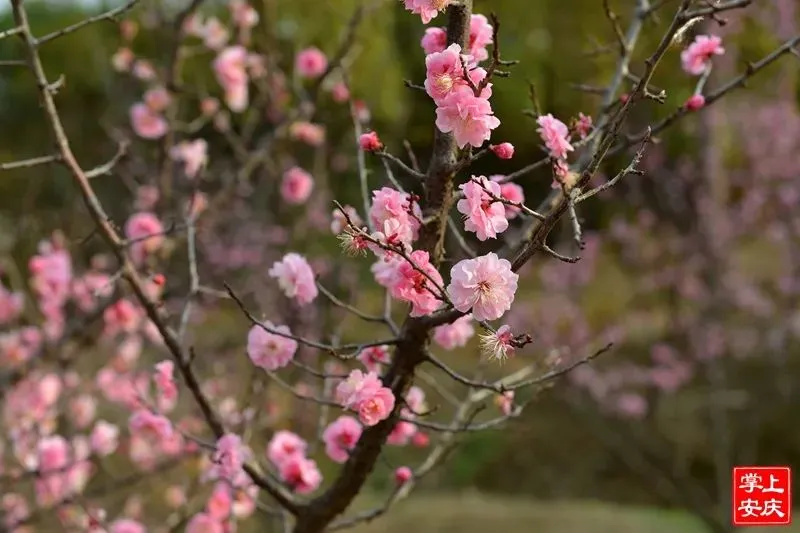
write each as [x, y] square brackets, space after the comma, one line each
[268, 350]
[295, 278]
[486, 285]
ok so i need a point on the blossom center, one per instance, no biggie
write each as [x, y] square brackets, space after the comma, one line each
[444, 82]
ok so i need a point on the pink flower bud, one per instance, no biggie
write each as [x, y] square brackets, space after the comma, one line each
[402, 475]
[695, 102]
[503, 150]
[370, 142]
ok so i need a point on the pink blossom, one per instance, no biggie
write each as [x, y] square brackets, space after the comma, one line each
[631, 405]
[146, 123]
[505, 402]
[340, 93]
[214, 33]
[450, 336]
[696, 58]
[121, 317]
[104, 438]
[340, 437]
[503, 150]
[300, 473]
[555, 135]
[339, 221]
[426, 9]
[204, 523]
[483, 215]
[374, 356]
[420, 440]
[220, 503]
[513, 193]
[401, 434]
[310, 63]
[83, 409]
[391, 204]
[695, 102]
[146, 234]
[295, 278]
[229, 457]
[283, 445]
[417, 284]
[402, 475]
[150, 425]
[468, 117]
[434, 40]
[144, 70]
[485, 284]
[122, 60]
[243, 14]
[193, 154]
[498, 345]
[125, 525]
[165, 383]
[415, 399]
[296, 186]
[128, 29]
[230, 68]
[377, 408]
[311, 134]
[268, 350]
[157, 99]
[369, 142]
[443, 70]
[583, 125]
[358, 386]
[480, 36]
[365, 394]
[11, 305]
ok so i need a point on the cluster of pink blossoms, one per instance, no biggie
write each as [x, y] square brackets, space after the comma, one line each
[287, 452]
[366, 395]
[462, 105]
[295, 278]
[480, 37]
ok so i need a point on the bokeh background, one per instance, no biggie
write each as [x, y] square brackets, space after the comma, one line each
[692, 269]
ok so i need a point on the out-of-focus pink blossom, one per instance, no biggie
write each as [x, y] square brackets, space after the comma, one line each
[146, 234]
[193, 154]
[268, 350]
[455, 335]
[369, 142]
[296, 186]
[295, 278]
[310, 63]
[147, 123]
